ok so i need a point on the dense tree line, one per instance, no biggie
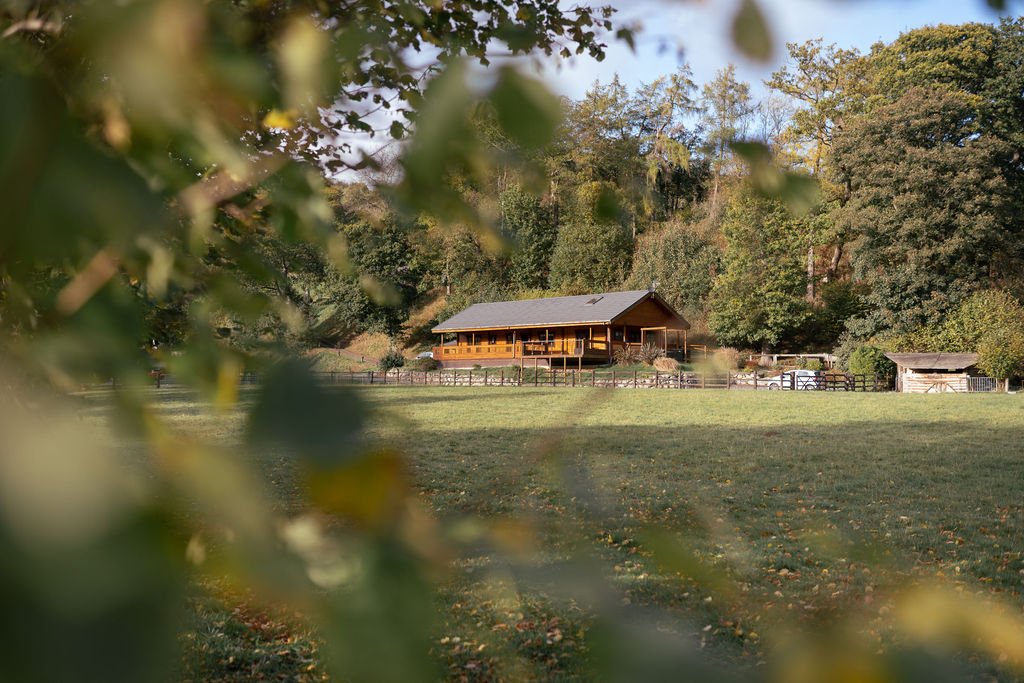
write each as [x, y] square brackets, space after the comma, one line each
[915, 149]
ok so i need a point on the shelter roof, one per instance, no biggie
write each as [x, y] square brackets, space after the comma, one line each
[560, 310]
[934, 361]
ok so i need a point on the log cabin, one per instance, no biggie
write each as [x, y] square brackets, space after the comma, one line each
[559, 330]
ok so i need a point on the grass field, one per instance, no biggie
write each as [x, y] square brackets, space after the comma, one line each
[736, 516]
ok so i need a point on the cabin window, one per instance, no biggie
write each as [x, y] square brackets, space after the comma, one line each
[492, 339]
[634, 335]
[617, 334]
[510, 337]
[581, 335]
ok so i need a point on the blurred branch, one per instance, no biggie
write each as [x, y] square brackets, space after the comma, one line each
[86, 283]
[33, 24]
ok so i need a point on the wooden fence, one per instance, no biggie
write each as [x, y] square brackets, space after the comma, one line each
[622, 379]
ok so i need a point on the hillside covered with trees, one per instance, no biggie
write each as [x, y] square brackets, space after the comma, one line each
[911, 201]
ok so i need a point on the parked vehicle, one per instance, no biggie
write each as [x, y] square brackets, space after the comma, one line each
[425, 354]
[797, 380]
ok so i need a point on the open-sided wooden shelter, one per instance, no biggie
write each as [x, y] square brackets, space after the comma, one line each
[927, 373]
[580, 329]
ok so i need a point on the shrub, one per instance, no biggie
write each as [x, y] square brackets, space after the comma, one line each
[650, 352]
[666, 364]
[848, 343]
[423, 364]
[1001, 353]
[871, 360]
[626, 355]
[811, 364]
[727, 358]
[390, 360]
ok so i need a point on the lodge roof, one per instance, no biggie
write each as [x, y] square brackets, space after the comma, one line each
[934, 361]
[560, 310]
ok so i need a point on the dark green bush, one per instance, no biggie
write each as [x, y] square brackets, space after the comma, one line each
[871, 360]
[423, 364]
[390, 360]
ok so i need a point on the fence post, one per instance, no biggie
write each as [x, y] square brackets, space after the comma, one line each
[593, 377]
[728, 380]
[703, 378]
[657, 380]
[485, 376]
[679, 379]
[634, 379]
[755, 380]
[471, 377]
[502, 378]
[370, 374]
[613, 380]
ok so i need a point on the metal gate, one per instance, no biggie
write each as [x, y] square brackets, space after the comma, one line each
[975, 384]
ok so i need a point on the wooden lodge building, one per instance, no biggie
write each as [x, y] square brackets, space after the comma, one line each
[559, 330]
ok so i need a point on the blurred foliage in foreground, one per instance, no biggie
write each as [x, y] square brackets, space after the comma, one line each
[145, 149]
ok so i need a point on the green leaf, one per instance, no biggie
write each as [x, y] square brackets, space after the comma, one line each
[526, 109]
[319, 424]
[750, 32]
[800, 193]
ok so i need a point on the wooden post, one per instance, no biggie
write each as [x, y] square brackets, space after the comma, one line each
[613, 379]
[593, 377]
[470, 377]
[608, 341]
[680, 377]
[657, 380]
[371, 376]
[755, 380]
[634, 379]
[703, 377]
[728, 380]
[535, 373]
[485, 376]
[502, 379]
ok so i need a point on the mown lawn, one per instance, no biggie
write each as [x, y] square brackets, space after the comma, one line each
[734, 516]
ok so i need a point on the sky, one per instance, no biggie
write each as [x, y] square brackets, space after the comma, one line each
[700, 28]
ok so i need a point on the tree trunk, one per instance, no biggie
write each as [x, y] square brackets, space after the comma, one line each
[810, 274]
[833, 265]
